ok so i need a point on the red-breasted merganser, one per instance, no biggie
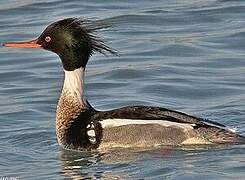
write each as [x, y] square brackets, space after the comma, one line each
[79, 126]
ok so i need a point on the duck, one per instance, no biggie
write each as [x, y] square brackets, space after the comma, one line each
[79, 126]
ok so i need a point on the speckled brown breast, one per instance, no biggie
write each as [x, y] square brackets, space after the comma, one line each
[68, 110]
[73, 124]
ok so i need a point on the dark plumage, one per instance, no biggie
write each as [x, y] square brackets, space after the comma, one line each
[80, 126]
[74, 41]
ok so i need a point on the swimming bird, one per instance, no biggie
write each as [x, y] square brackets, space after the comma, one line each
[80, 126]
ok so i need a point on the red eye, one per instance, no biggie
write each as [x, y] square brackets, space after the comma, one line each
[47, 38]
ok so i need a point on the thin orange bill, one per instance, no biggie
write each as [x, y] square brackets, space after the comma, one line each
[27, 44]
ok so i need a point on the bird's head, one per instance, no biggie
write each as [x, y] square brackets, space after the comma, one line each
[72, 39]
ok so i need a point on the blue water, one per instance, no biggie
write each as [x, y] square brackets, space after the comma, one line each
[187, 55]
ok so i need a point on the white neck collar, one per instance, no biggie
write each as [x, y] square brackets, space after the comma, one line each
[74, 83]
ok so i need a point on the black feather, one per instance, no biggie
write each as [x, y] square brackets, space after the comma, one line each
[86, 29]
[74, 40]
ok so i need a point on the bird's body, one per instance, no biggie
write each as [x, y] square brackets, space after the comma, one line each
[79, 126]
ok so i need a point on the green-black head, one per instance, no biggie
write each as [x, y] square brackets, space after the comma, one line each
[72, 39]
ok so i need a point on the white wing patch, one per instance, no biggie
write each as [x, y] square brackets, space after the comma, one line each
[107, 123]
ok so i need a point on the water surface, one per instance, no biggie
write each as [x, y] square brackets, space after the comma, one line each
[187, 55]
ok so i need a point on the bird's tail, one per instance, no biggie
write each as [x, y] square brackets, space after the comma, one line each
[221, 136]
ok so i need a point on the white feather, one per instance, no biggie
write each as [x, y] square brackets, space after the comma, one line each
[233, 130]
[73, 82]
[121, 122]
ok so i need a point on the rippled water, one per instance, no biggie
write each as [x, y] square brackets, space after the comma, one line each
[186, 55]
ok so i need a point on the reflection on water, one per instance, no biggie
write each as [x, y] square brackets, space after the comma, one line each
[80, 165]
[77, 165]
[118, 162]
